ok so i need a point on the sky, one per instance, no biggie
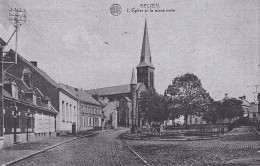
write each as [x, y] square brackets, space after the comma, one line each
[80, 43]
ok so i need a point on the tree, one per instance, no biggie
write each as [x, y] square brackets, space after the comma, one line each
[188, 96]
[153, 106]
[232, 108]
[225, 109]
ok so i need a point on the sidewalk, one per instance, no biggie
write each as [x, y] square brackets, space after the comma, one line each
[17, 152]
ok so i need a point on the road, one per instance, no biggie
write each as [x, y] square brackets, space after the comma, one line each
[240, 147]
[103, 149]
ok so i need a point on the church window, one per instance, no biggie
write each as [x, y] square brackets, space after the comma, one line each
[151, 79]
[150, 59]
[142, 58]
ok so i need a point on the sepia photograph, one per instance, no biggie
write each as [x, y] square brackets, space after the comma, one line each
[129, 82]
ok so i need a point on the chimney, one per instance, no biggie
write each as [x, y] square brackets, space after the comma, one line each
[34, 63]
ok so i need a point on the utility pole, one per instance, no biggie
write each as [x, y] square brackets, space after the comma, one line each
[2, 45]
[17, 17]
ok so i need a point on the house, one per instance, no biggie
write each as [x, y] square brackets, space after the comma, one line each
[28, 114]
[245, 106]
[253, 113]
[89, 110]
[68, 110]
[63, 101]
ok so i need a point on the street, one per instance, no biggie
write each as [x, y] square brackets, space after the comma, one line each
[102, 149]
[241, 146]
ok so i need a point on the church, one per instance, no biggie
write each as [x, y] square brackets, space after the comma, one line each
[121, 103]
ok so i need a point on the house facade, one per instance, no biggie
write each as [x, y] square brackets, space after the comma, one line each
[89, 110]
[28, 114]
[62, 101]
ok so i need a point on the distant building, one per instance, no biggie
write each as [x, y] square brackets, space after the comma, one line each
[253, 113]
[89, 110]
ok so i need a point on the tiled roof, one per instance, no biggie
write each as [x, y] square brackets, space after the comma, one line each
[121, 89]
[69, 90]
[80, 94]
[11, 54]
[22, 89]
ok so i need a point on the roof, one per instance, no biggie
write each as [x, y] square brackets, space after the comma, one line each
[22, 89]
[253, 108]
[146, 59]
[42, 73]
[68, 90]
[245, 103]
[121, 89]
[80, 94]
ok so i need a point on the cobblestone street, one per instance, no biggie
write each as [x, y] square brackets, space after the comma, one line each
[239, 147]
[102, 149]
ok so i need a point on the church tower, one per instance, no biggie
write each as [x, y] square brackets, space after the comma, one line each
[145, 69]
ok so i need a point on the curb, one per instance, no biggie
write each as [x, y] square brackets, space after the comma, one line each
[43, 150]
[161, 139]
[256, 131]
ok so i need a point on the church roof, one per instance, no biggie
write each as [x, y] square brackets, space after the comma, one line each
[146, 59]
[121, 89]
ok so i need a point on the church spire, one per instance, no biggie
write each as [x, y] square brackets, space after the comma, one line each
[133, 80]
[146, 59]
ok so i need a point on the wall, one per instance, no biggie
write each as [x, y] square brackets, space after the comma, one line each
[192, 120]
[89, 117]
[110, 114]
[67, 113]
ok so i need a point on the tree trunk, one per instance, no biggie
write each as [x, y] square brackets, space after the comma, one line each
[186, 120]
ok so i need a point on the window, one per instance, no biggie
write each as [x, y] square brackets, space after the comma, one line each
[63, 111]
[67, 112]
[75, 114]
[254, 115]
[71, 113]
[196, 120]
[27, 77]
[151, 79]
[142, 59]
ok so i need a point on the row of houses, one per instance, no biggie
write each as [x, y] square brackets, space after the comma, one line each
[36, 107]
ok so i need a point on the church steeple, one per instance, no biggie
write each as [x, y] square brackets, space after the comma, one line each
[133, 80]
[146, 58]
[145, 69]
